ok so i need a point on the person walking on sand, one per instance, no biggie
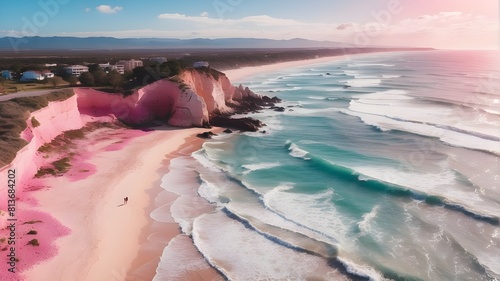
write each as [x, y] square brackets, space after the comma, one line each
[125, 200]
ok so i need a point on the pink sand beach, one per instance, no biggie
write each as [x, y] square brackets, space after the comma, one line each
[93, 234]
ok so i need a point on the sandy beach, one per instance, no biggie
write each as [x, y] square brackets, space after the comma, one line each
[106, 234]
[110, 240]
[240, 73]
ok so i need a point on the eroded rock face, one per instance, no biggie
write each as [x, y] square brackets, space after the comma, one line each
[195, 98]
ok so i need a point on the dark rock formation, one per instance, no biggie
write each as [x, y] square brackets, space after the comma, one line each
[277, 108]
[228, 131]
[242, 124]
[206, 135]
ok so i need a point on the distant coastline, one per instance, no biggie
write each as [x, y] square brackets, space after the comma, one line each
[151, 145]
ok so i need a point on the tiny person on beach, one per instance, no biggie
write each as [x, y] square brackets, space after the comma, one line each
[125, 200]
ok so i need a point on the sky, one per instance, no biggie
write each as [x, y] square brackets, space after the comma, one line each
[446, 24]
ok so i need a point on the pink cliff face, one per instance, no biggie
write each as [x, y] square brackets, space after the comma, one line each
[214, 92]
[180, 105]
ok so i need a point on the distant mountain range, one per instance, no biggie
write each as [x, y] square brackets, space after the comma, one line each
[107, 43]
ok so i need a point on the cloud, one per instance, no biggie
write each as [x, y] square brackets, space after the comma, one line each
[182, 17]
[344, 26]
[440, 30]
[107, 9]
[12, 33]
[263, 20]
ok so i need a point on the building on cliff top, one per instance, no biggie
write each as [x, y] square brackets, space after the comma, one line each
[76, 70]
[128, 65]
[32, 75]
[109, 67]
[200, 64]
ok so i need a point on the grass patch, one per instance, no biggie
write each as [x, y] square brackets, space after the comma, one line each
[32, 232]
[13, 117]
[62, 141]
[33, 242]
[34, 122]
[58, 167]
[45, 171]
[74, 134]
[62, 165]
[32, 222]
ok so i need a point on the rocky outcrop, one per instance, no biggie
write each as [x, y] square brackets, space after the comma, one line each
[194, 98]
[242, 124]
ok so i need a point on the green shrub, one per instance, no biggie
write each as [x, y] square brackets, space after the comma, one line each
[32, 232]
[34, 122]
[33, 242]
[74, 134]
[45, 171]
[62, 165]
[13, 116]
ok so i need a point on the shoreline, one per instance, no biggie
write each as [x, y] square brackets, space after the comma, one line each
[239, 74]
[138, 257]
[103, 226]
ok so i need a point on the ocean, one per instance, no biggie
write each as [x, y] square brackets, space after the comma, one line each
[382, 167]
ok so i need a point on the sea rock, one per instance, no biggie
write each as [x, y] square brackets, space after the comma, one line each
[206, 135]
[228, 131]
[278, 108]
[242, 124]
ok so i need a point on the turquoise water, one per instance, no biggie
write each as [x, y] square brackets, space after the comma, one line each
[383, 166]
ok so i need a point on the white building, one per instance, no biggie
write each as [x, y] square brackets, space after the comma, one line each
[32, 75]
[47, 74]
[76, 70]
[108, 67]
[128, 65]
[200, 64]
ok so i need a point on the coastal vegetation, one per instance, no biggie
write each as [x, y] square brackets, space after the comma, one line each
[13, 117]
[34, 242]
[34, 122]
[56, 168]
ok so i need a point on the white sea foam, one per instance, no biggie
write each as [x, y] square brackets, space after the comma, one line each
[362, 82]
[480, 239]
[394, 110]
[321, 215]
[287, 89]
[365, 224]
[202, 158]
[362, 270]
[388, 76]
[209, 191]
[260, 166]
[442, 183]
[243, 254]
[187, 208]
[179, 259]
[297, 152]
[369, 64]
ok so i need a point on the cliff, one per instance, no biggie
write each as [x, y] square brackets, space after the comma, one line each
[191, 99]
